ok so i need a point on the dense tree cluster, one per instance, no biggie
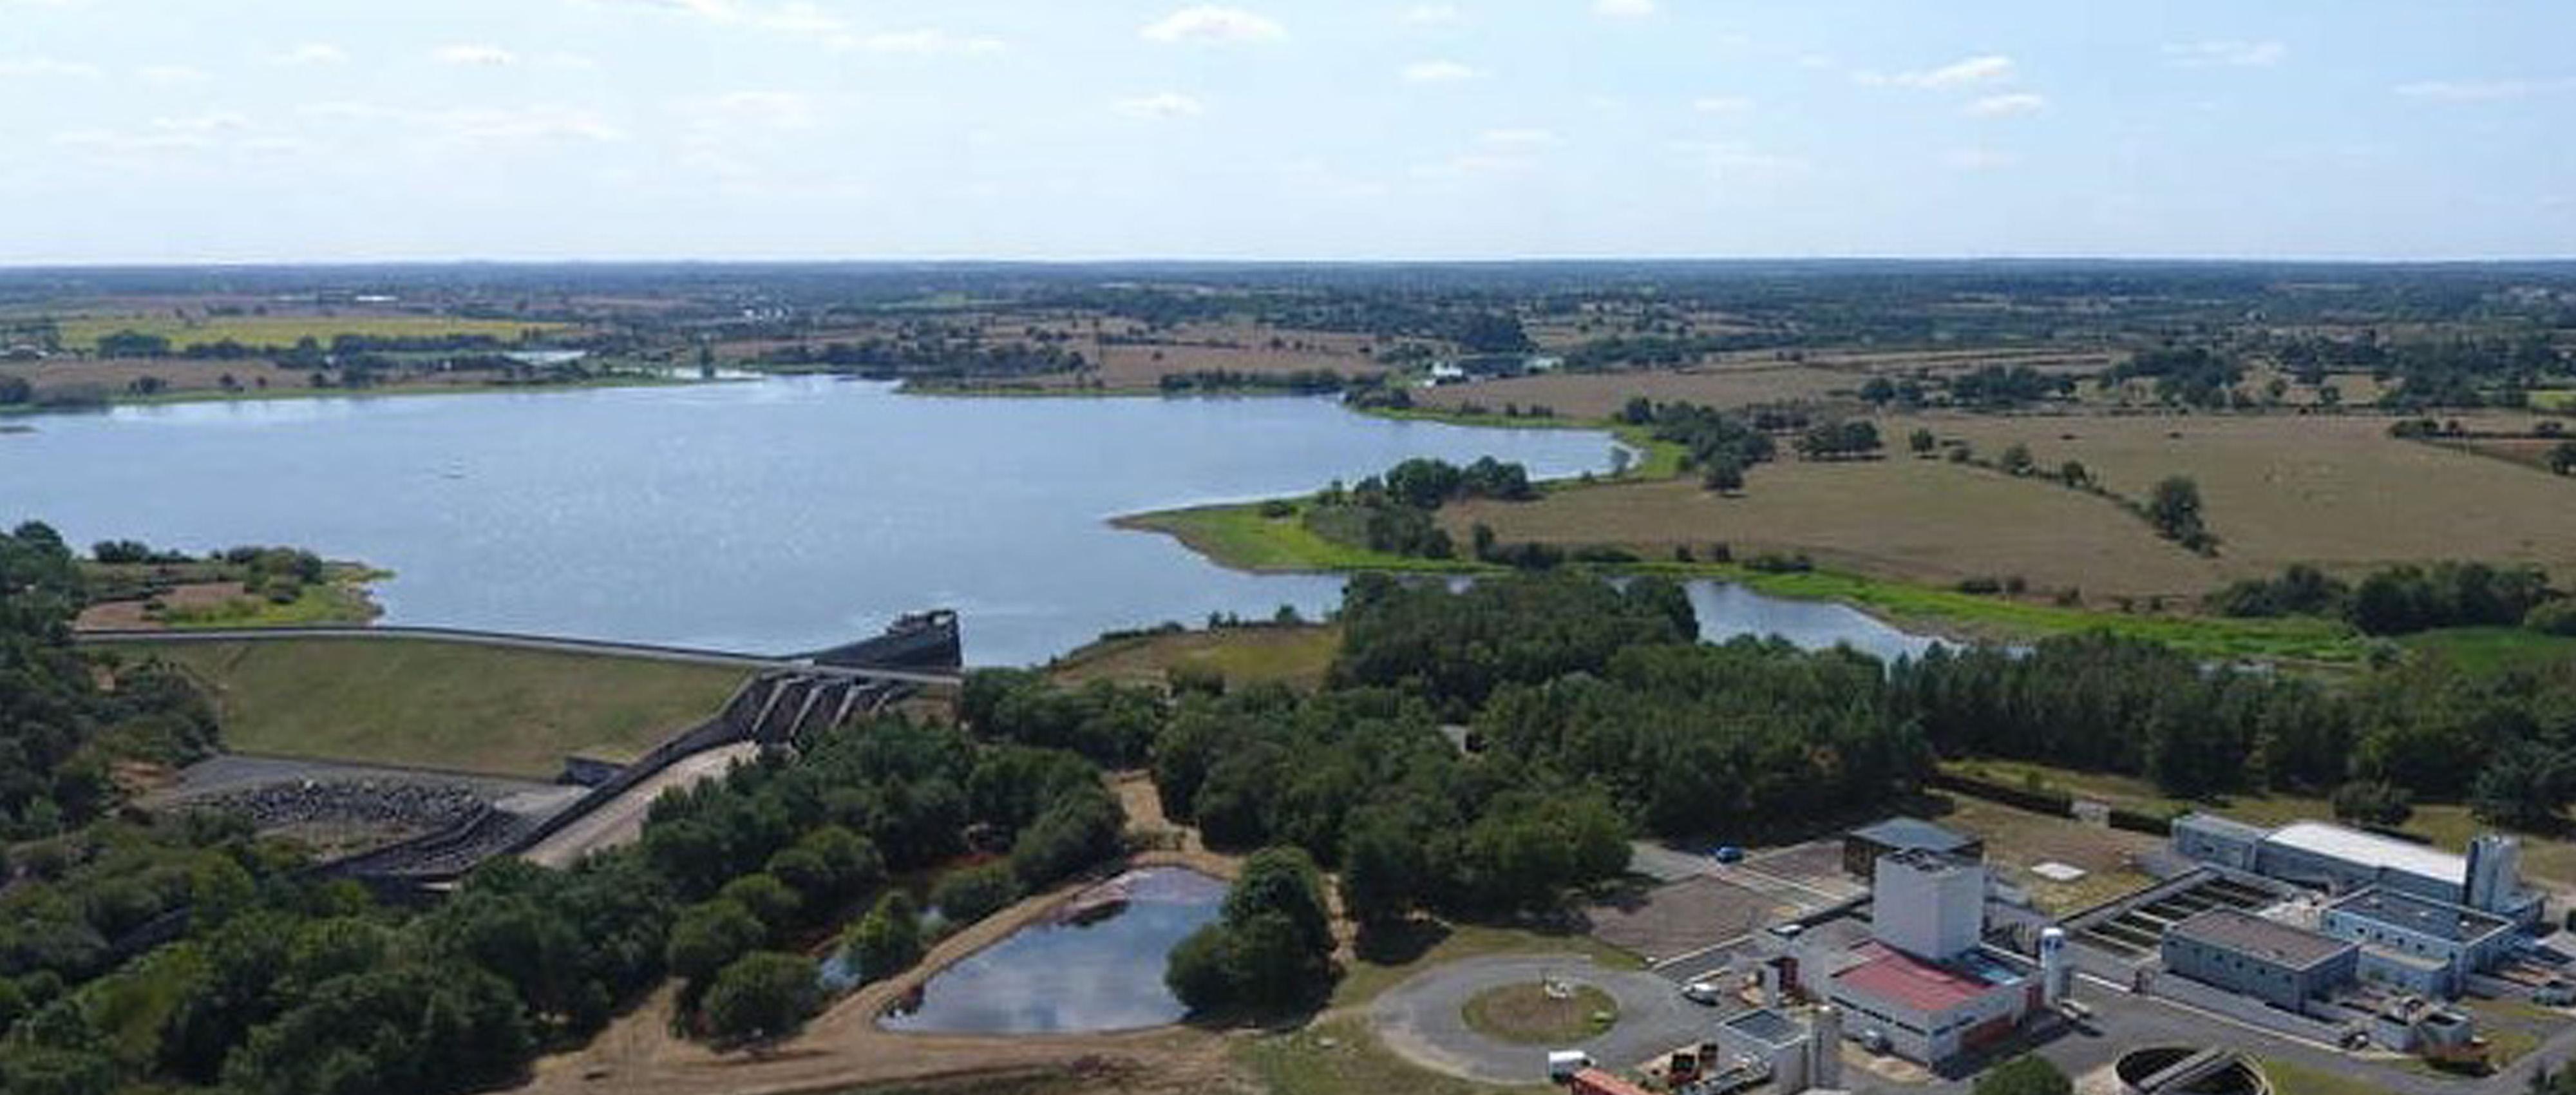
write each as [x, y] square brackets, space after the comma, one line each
[1272, 947]
[2404, 599]
[1996, 387]
[1294, 382]
[59, 729]
[1857, 437]
[1394, 512]
[2192, 376]
[2424, 730]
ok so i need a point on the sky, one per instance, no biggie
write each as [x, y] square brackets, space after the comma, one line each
[326, 130]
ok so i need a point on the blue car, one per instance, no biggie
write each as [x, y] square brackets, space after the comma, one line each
[1727, 853]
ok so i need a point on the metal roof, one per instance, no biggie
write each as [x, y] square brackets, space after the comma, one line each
[2406, 912]
[2215, 823]
[1909, 832]
[1765, 1026]
[1927, 987]
[2371, 849]
[2270, 940]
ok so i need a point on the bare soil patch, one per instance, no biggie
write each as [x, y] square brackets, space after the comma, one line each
[1680, 917]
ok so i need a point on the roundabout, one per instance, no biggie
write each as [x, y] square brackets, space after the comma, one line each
[1494, 1019]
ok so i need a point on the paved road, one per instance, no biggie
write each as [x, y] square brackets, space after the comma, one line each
[622, 821]
[1424, 1021]
[557, 644]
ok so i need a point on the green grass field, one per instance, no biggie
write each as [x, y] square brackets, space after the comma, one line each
[2493, 649]
[281, 332]
[1296, 656]
[440, 704]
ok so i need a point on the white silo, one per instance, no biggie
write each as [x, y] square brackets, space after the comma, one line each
[2056, 969]
[1825, 1049]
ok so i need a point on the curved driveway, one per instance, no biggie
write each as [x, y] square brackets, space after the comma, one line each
[1424, 1018]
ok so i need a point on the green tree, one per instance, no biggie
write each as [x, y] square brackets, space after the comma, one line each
[1922, 441]
[2025, 1075]
[2017, 459]
[763, 996]
[2562, 459]
[1725, 475]
[2374, 802]
[969, 894]
[766, 897]
[708, 937]
[2174, 510]
[887, 941]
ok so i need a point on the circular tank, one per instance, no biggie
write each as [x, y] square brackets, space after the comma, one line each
[2237, 1077]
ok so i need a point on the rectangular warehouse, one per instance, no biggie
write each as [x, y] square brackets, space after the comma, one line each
[2454, 941]
[2246, 954]
[2330, 857]
[1930, 1011]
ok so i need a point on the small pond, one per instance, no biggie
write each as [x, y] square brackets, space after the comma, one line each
[1059, 975]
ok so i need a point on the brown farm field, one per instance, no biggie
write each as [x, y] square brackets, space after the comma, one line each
[181, 375]
[2280, 489]
[1599, 395]
[2336, 491]
[1916, 520]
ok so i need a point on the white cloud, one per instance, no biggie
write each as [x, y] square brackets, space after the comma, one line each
[2008, 104]
[1433, 15]
[1437, 72]
[922, 42]
[47, 66]
[2227, 53]
[1721, 104]
[170, 74]
[1623, 9]
[1211, 23]
[2482, 91]
[473, 54]
[1964, 73]
[1160, 106]
[202, 123]
[313, 53]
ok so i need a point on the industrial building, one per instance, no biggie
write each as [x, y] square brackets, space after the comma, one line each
[1920, 980]
[2341, 860]
[2276, 963]
[2422, 946]
[1791, 1055]
[1863, 846]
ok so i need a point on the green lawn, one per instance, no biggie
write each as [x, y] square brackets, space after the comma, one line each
[2297, 1079]
[1241, 537]
[441, 704]
[2493, 649]
[1296, 655]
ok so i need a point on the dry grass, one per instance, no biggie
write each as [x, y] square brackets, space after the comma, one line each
[1914, 520]
[181, 375]
[2279, 489]
[282, 331]
[1599, 395]
[2335, 491]
[2018, 840]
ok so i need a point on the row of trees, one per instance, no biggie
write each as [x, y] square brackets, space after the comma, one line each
[2404, 599]
[2424, 730]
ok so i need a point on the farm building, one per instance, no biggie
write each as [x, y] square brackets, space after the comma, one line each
[1863, 846]
[2277, 963]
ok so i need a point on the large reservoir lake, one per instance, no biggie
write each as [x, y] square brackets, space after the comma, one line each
[775, 515]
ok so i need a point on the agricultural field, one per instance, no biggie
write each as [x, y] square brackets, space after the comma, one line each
[282, 332]
[2335, 491]
[1599, 395]
[1925, 521]
[178, 376]
[443, 705]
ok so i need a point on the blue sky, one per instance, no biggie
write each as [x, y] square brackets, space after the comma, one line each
[183, 130]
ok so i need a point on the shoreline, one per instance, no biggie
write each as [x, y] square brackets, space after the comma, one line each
[22, 412]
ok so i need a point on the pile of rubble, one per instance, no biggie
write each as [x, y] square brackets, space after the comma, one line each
[402, 804]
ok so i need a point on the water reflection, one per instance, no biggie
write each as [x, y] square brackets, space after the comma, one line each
[1060, 975]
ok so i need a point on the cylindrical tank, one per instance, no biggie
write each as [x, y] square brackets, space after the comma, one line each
[1825, 1049]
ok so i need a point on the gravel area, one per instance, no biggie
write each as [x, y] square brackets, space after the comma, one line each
[1424, 1018]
